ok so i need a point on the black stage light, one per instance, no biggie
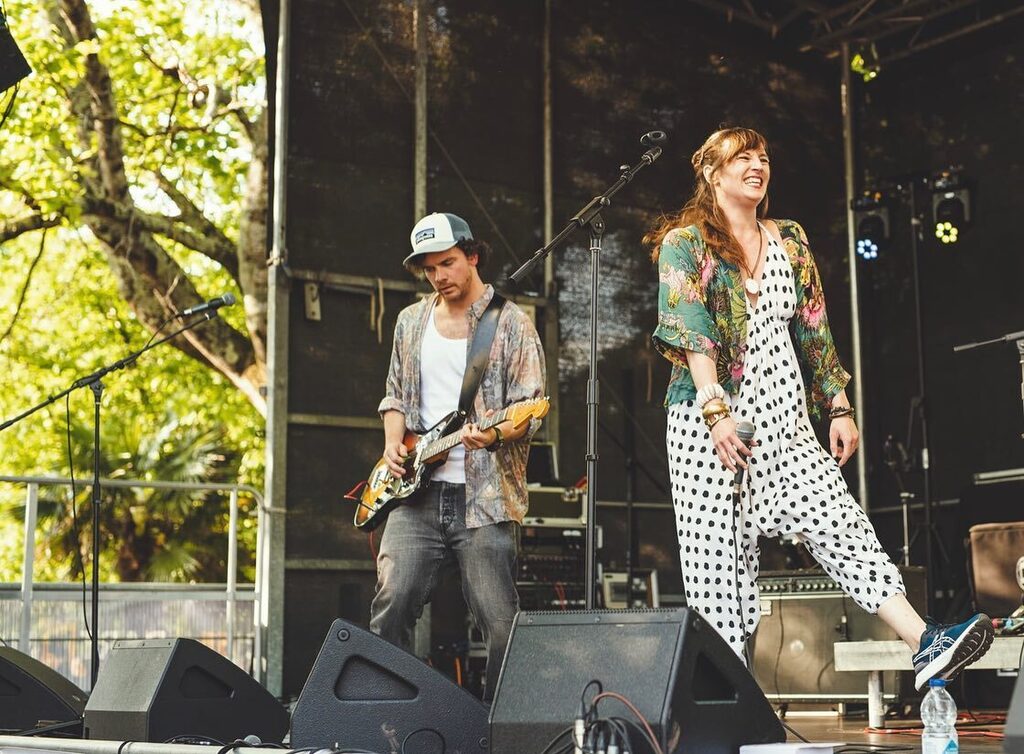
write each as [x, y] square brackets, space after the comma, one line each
[871, 218]
[951, 205]
[13, 66]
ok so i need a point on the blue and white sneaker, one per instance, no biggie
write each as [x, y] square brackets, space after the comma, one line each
[946, 650]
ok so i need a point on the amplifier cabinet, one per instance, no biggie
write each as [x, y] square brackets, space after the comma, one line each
[803, 614]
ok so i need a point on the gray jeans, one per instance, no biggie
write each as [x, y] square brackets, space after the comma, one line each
[419, 535]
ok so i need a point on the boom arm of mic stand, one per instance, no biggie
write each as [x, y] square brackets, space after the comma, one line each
[99, 374]
[586, 215]
[1001, 339]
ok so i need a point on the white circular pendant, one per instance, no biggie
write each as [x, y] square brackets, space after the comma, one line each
[752, 287]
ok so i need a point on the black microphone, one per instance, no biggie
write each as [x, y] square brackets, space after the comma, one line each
[212, 305]
[653, 139]
[744, 431]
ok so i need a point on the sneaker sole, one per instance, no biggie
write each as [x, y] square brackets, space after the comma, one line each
[972, 644]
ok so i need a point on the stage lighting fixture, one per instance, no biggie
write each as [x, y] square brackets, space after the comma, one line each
[866, 63]
[871, 218]
[13, 66]
[951, 205]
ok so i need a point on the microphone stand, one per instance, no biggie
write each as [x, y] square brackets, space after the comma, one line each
[94, 382]
[1016, 337]
[590, 217]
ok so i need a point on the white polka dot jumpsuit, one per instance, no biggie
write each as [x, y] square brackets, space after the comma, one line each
[792, 485]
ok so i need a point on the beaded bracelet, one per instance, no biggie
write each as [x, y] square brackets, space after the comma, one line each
[708, 393]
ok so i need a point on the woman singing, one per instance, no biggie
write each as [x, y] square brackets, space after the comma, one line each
[741, 316]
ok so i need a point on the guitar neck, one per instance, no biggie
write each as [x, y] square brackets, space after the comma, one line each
[442, 444]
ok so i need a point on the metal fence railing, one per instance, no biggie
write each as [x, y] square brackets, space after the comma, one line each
[46, 620]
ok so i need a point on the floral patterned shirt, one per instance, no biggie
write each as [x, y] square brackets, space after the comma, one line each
[702, 308]
[495, 482]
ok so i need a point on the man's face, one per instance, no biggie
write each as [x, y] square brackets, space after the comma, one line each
[450, 272]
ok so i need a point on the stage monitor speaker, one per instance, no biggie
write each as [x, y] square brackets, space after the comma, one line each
[671, 664]
[33, 695]
[158, 689]
[804, 613]
[365, 693]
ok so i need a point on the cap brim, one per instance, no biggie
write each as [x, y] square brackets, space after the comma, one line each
[429, 248]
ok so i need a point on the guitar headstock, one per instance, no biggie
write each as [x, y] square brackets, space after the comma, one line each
[522, 412]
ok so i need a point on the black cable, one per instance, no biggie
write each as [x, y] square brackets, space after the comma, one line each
[424, 729]
[786, 726]
[49, 728]
[120, 749]
[625, 721]
[547, 749]
[778, 654]
[74, 517]
[195, 738]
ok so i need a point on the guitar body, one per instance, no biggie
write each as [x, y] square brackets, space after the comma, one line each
[384, 490]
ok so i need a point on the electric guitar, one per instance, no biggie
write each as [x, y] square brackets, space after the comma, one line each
[384, 490]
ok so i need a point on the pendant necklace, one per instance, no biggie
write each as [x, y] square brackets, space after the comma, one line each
[752, 286]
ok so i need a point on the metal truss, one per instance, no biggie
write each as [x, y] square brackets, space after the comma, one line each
[896, 28]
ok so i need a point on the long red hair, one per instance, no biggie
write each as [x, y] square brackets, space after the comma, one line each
[702, 209]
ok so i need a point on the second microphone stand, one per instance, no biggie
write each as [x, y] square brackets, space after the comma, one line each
[590, 217]
[94, 382]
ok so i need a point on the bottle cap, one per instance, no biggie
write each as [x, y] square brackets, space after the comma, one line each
[940, 682]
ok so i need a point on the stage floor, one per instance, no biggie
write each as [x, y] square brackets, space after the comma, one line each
[852, 731]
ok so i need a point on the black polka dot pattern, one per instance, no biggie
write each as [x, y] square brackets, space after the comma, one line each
[792, 486]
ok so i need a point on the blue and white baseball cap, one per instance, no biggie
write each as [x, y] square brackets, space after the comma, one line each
[438, 231]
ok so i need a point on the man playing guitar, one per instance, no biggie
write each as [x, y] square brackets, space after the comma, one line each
[475, 501]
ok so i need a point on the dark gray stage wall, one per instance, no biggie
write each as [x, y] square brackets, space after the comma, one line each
[960, 104]
[619, 69]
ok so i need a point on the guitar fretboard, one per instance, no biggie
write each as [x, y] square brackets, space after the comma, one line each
[442, 444]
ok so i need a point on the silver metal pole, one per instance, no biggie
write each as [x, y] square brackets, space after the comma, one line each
[232, 579]
[851, 232]
[419, 15]
[550, 335]
[259, 668]
[271, 605]
[421, 634]
[28, 562]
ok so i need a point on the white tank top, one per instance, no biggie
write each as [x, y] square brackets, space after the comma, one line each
[442, 366]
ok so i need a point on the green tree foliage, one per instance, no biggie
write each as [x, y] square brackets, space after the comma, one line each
[133, 185]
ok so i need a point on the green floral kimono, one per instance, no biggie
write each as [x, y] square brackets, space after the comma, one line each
[702, 308]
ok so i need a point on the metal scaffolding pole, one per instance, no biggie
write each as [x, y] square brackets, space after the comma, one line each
[858, 382]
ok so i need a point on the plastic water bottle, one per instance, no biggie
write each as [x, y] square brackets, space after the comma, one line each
[938, 713]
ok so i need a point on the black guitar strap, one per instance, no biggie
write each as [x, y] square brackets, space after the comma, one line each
[479, 352]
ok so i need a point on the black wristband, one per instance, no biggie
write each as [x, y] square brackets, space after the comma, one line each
[498, 440]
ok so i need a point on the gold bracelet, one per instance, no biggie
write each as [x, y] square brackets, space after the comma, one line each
[715, 418]
[709, 410]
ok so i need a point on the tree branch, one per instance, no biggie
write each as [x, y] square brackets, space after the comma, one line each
[104, 112]
[24, 288]
[213, 246]
[15, 228]
[196, 218]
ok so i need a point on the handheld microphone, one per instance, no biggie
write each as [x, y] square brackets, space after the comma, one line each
[744, 431]
[212, 305]
[654, 140]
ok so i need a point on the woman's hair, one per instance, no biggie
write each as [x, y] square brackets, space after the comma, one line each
[702, 209]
